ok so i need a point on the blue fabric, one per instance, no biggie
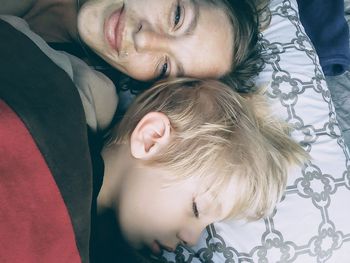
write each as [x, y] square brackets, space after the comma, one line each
[325, 24]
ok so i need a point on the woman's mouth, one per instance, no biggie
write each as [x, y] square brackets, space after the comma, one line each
[114, 28]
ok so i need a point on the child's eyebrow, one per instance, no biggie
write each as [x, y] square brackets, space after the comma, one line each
[209, 202]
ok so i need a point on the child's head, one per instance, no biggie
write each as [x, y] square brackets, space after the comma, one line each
[193, 152]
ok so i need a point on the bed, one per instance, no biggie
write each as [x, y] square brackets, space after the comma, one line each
[311, 223]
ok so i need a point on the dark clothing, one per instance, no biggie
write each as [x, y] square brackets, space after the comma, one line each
[325, 24]
[45, 167]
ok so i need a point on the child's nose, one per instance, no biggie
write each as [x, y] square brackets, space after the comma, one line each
[191, 236]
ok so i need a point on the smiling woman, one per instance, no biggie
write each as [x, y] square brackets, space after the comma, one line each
[154, 39]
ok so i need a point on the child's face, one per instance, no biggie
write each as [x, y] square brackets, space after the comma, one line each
[157, 213]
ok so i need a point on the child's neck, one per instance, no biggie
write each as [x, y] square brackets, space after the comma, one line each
[116, 160]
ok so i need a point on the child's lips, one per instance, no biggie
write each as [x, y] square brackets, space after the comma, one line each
[114, 28]
[156, 247]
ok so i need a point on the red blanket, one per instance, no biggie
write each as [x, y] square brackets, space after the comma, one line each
[45, 165]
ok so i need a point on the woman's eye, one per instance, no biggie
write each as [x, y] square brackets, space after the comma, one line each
[163, 70]
[177, 15]
[195, 209]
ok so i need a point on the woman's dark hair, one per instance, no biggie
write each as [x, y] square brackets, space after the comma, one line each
[247, 17]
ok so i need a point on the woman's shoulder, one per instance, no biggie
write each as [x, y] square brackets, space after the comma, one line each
[98, 94]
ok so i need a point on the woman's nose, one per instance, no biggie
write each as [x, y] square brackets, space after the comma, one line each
[146, 40]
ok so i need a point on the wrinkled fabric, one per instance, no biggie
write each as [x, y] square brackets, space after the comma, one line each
[97, 92]
[45, 168]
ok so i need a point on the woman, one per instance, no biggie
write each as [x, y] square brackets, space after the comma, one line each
[153, 39]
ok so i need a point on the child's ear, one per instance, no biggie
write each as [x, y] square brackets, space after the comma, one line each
[151, 134]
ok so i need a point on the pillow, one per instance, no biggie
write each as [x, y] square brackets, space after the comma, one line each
[311, 223]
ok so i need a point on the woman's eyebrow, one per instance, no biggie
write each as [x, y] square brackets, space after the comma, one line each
[196, 12]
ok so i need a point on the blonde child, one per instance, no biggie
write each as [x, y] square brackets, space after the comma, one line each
[189, 153]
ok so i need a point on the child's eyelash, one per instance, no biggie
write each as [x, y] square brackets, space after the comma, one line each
[195, 209]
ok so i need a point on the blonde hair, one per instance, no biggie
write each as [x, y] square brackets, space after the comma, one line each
[220, 134]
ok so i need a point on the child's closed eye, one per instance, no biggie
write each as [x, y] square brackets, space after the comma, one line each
[195, 209]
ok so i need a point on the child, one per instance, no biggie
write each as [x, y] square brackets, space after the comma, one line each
[189, 153]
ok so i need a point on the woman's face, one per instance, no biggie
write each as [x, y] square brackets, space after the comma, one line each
[150, 39]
